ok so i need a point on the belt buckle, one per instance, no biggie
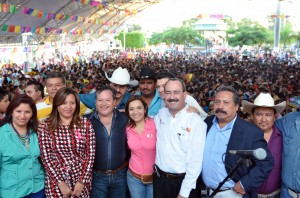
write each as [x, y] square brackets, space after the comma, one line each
[170, 175]
[109, 172]
[145, 177]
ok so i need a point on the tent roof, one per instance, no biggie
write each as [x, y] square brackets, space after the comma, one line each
[47, 19]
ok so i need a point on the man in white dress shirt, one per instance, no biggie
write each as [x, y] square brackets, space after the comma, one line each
[180, 145]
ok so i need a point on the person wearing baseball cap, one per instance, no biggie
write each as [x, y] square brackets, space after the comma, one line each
[263, 112]
[119, 81]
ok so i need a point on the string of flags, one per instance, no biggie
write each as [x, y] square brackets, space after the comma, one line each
[279, 16]
[43, 30]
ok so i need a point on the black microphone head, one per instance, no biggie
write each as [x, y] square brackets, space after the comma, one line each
[260, 154]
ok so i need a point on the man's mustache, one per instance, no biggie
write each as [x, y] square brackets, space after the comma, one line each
[220, 111]
[172, 100]
[146, 89]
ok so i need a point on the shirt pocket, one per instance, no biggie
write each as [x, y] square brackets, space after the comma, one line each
[183, 139]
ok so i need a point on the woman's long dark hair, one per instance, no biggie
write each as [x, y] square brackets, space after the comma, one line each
[60, 97]
[17, 101]
[131, 122]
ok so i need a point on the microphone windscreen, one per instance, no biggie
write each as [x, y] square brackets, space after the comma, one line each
[260, 154]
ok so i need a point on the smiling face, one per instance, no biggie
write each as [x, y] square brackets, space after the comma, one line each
[136, 111]
[67, 109]
[174, 96]
[105, 103]
[21, 115]
[264, 118]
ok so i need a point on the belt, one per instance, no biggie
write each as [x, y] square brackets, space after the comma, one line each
[293, 194]
[111, 172]
[145, 178]
[171, 175]
[209, 191]
[270, 195]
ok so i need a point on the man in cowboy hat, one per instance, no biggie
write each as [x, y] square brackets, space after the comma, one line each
[119, 81]
[263, 112]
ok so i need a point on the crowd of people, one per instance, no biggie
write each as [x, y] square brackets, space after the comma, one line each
[158, 125]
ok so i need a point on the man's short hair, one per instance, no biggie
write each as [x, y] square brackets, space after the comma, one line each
[56, 75]
[179, 80]
[106, 88]
[37, 87]
[236, 98]
[163, 75]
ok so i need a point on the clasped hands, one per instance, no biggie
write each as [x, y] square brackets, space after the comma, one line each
[67, 191]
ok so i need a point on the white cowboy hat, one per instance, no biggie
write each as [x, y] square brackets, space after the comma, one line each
[121, 77]
[263, 100]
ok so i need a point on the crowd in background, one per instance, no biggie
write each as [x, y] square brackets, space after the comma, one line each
[249, 74]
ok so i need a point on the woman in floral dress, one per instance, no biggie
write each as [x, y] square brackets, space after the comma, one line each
[67, 144]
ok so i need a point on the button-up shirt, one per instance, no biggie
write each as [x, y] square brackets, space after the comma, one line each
[274, 179]
[290, 128]
[214, 171]
[142, 147]
[180, 145]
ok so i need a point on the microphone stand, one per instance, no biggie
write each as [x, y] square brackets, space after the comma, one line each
[244, 160]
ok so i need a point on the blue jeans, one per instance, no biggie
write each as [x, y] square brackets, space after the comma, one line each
[284, 192]
[109, 185]
[39, 194]
[137, 189]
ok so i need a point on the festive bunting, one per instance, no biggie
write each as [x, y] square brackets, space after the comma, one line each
[4, 28]
[13, 9]
[5, 7]
[279, 16]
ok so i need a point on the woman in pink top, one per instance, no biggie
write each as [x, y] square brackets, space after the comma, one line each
[141, 138]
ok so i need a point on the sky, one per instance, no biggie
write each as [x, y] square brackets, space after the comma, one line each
[171, 13]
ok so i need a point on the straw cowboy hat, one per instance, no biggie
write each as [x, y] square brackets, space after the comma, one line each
[121, 76]
[263, 100]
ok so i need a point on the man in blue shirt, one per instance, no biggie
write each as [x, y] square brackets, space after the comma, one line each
[290, 127]
[119, 81]
[111, 159]
[148, 90]
[226, 131]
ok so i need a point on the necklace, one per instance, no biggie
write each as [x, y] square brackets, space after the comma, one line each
[25, 139]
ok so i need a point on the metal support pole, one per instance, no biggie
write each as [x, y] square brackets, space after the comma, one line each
[277, 25]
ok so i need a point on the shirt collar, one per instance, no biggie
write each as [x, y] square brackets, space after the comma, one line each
[47, 100]
[179, 112]
[95, 115]
[228, 126]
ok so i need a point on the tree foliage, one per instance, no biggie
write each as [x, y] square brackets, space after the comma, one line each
[287, 35]
[247, 32]
[133, 39]
[177, 35]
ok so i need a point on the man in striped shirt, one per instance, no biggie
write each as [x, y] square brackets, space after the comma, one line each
[54, 81]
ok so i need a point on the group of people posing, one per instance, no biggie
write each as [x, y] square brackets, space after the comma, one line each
[157, 143]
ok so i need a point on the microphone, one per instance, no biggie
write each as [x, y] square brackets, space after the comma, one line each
[259, 153]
